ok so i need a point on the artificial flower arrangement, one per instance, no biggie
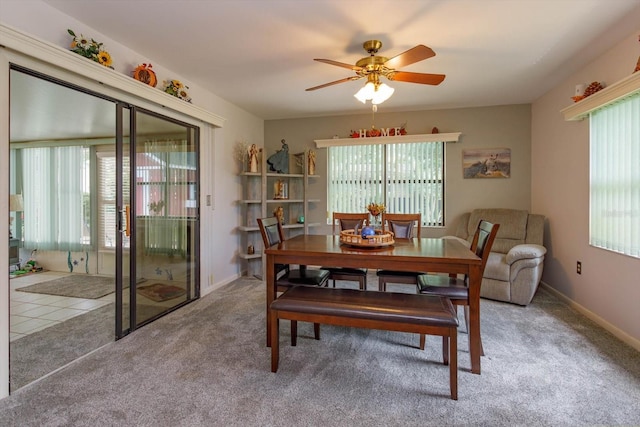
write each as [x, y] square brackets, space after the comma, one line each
[177, 89]
[375, 209]
[89, 48]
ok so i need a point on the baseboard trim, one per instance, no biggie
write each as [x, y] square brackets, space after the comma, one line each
[617, 332]
[217, 285]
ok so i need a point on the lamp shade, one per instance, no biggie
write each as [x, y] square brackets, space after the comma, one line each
[376, 93]
[15, 203]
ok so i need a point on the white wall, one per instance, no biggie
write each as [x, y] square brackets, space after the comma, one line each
[218, 178]
[608, 289]
[483, 127]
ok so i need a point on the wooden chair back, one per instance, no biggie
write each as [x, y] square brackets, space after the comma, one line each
[271, 231]
[349, 221]
[483, 241]
[402, 225]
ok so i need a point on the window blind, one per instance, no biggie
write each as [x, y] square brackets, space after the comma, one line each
[614, 221]
[407, 178]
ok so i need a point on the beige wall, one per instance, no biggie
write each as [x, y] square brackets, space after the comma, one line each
[609, 287]
[486, 127]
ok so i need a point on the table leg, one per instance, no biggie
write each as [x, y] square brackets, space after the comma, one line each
[475, 279]
[271, 293]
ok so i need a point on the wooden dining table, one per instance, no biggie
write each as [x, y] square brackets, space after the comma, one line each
[433, 255]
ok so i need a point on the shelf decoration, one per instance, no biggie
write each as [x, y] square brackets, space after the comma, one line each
[252, 152]
[279, 161]
[373, 132]
[89, 48]
[637, 63]
[143, 73]
[312, 162]
[590, 90]
[280, 190]
[176, 88]
[279, 213]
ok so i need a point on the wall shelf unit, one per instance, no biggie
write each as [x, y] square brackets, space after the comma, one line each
[260, 190]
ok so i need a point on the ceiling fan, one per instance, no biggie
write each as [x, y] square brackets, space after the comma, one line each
[374, 66]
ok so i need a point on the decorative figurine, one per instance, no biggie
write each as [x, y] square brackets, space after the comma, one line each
[253, 158]
[312, 162]
[279, 161]
[279, 213]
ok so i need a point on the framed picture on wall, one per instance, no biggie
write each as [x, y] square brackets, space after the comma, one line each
[486, 163]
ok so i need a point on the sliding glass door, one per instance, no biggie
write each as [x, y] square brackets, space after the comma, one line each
[110, 195]
[163, 216]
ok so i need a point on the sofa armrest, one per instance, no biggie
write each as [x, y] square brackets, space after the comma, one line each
[519, 252]
[460, 239]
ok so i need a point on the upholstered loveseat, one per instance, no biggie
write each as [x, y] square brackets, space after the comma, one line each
[514, 267]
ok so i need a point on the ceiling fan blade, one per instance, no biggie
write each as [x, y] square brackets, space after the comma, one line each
[340, 64]
[411, 56]
[348, 79]
[425, 79]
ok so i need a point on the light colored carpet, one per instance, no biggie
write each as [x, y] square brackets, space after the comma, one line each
[207, 365]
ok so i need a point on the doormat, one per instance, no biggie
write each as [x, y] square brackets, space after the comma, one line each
[76, 286]
[159, 292]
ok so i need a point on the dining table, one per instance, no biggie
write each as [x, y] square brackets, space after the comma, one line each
[429, 255]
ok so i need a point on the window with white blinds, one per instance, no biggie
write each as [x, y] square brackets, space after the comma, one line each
[407, 178]
[107, 215]
[614, 202]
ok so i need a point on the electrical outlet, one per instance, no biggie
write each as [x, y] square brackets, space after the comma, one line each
[579, 267]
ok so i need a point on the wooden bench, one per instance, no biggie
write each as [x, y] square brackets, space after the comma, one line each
[422, 314]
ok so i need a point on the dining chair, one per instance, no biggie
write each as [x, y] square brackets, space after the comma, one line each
[403, 226]
[286, 277]
[457, 289]
[349, 221]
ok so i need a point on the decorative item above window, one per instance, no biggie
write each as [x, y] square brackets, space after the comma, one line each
[145, 74]
[90, 49]
[177, 89]
[623, 88]
[374, 133]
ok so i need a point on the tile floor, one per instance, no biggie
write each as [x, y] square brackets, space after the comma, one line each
[31, 312]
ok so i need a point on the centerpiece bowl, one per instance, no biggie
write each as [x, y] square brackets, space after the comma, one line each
[375, 240]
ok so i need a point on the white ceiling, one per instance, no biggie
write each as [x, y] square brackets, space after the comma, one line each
[258, 54]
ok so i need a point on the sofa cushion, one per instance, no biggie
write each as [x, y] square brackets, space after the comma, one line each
[513, 226]
[497, 267]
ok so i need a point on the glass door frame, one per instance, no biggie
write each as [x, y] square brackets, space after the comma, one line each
[126, 216]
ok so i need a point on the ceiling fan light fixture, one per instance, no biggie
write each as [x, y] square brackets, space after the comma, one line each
[377, 94]
[382, 93]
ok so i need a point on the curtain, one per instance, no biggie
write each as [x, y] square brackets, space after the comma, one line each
[614, 221]
[54, 182]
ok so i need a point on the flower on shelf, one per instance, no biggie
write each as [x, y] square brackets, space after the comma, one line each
[89, 48]
[375, 209]
[177, 89]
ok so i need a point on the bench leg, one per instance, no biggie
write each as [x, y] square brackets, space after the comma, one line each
[274, 332]
[316, 331]
[294, 333]
[453, 362]
[423, 339]
[445, 349]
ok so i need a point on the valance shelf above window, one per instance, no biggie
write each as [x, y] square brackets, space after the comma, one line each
[621, 89]
[401, 139]
[49, 53]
